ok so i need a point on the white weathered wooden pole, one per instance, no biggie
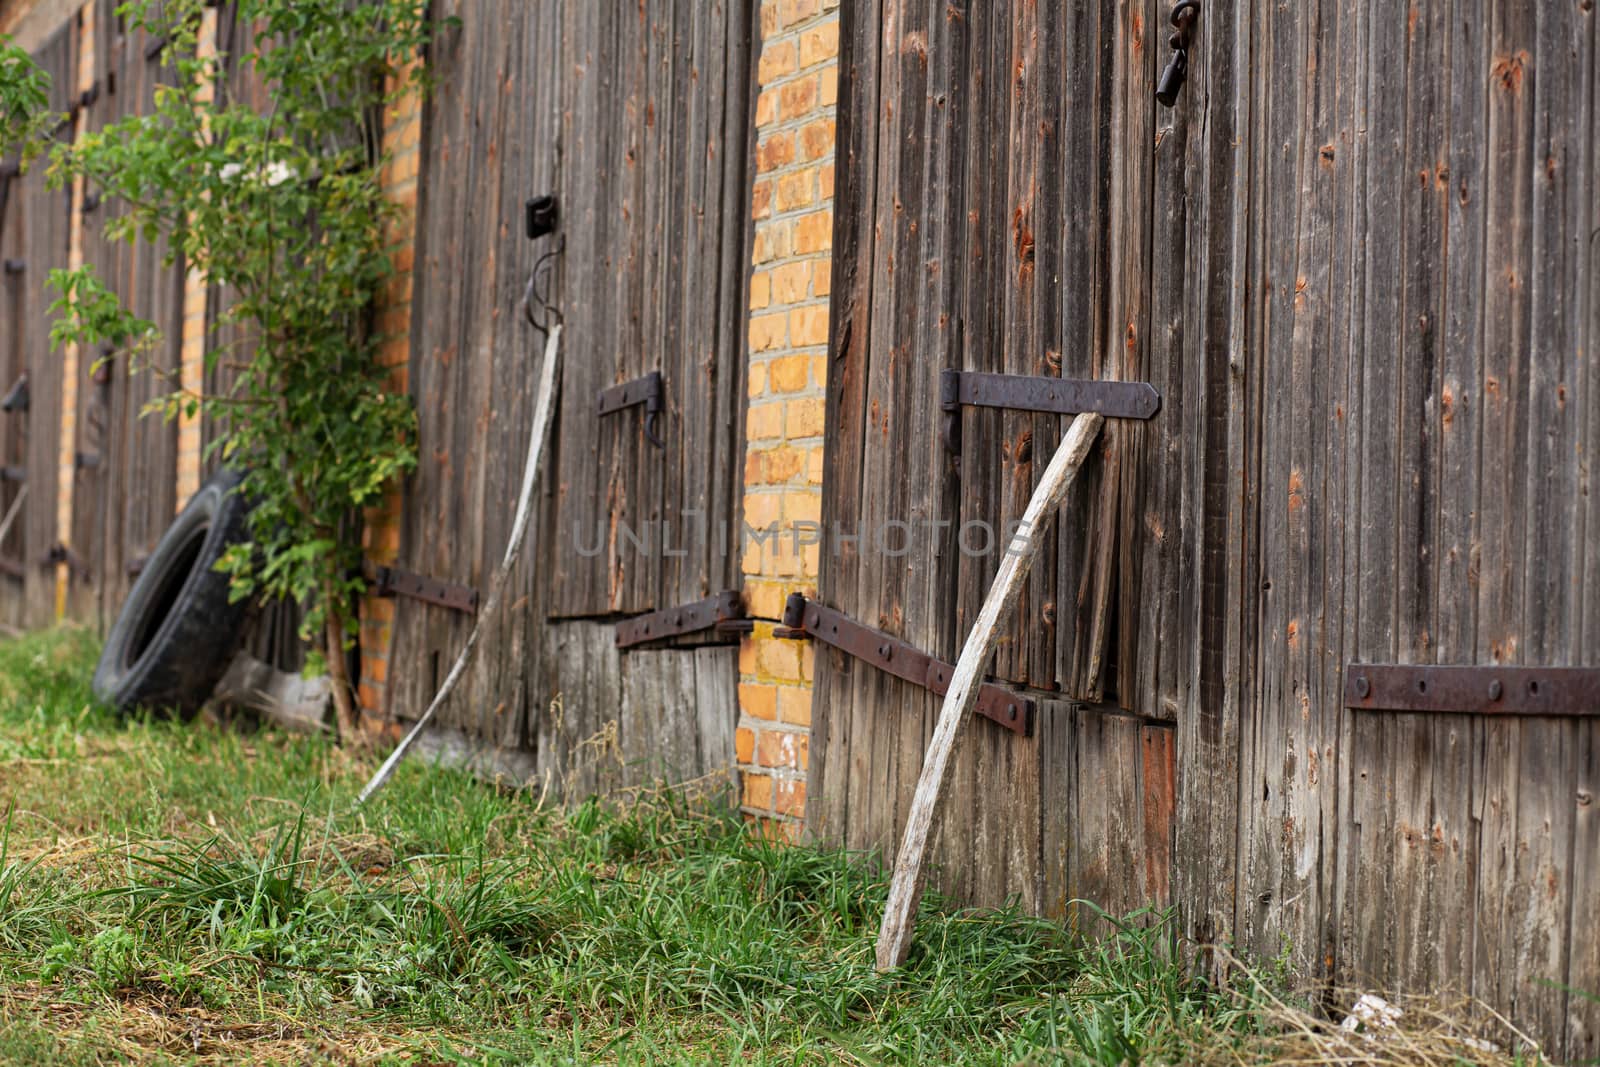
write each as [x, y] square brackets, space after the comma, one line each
[905, 891]
[543, 418]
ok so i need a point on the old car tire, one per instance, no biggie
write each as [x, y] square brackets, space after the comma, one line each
[177, 630]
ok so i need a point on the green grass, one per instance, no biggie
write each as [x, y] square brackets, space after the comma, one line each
[176, 893]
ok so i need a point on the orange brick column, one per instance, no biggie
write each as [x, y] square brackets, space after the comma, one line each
[402, 132]
[67, 441]
[192, 352]
[789, 285]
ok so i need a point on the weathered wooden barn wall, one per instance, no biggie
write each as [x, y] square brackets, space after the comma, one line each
[122, 464]
[638, 118]
[36, 228]
[1358, 261]
[124, 475]
[123, 494]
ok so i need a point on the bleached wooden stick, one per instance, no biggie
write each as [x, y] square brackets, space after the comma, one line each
[905, 891]
[543, 409]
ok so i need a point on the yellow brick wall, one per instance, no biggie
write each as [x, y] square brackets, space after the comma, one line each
[790, 278]
[67, 442]
[402, 133]
[192, 353]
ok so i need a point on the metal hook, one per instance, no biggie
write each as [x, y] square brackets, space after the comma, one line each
[539, 292]
[1170, 84]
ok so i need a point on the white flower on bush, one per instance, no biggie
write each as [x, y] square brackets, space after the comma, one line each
[273, 174]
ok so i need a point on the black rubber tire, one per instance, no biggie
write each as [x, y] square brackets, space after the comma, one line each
[177, 631]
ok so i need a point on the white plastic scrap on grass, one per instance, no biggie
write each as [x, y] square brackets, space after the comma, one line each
[1371, 1013]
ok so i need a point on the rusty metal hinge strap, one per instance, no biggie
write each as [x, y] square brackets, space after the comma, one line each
[59, 553]
[1474, 690]
[393, 581]
[806, 618]
[1052, 396]
[723, 613]
[648, 390]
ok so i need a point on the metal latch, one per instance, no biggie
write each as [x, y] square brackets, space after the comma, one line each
[16, 398]
[805, 618]
[648, 391]
[1475, 690]
[60, 553]
[723, 613]
[1055, 396]
[1172, 78]
[393, 581]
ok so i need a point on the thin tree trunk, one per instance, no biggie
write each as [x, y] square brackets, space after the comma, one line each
[344, 704]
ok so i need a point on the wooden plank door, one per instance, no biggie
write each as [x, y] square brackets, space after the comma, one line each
[638, 117]
[995, 186]
[653, 125]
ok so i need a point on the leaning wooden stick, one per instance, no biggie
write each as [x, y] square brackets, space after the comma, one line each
[544, 405]
[905, 891]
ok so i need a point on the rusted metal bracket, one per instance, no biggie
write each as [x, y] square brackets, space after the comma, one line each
[60, 553]
[648, 391]
[1480, 690]
[16, 398]
[806, 618]
[14, 474]
[1056, 396]
[723, 613]
[393, 581]
[14, 266]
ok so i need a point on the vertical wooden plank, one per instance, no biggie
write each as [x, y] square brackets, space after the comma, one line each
[1503, 435]
[1108, 853]
[1209, 732]
[887, 596]
[716, 708]
[836, 733]
[1562, 195]
[1025, 285]
[1416, 851]
[1158, 619]
[1092, 98]
[1582, 1037]
[1456, 740]
[1158, 781]
[1059, 825]
[1272, 827]
[981, 255]
[1583, 967]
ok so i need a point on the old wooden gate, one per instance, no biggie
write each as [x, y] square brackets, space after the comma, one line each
[34, 240]
[1357, 260]
[990, 220]
[638, 119]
